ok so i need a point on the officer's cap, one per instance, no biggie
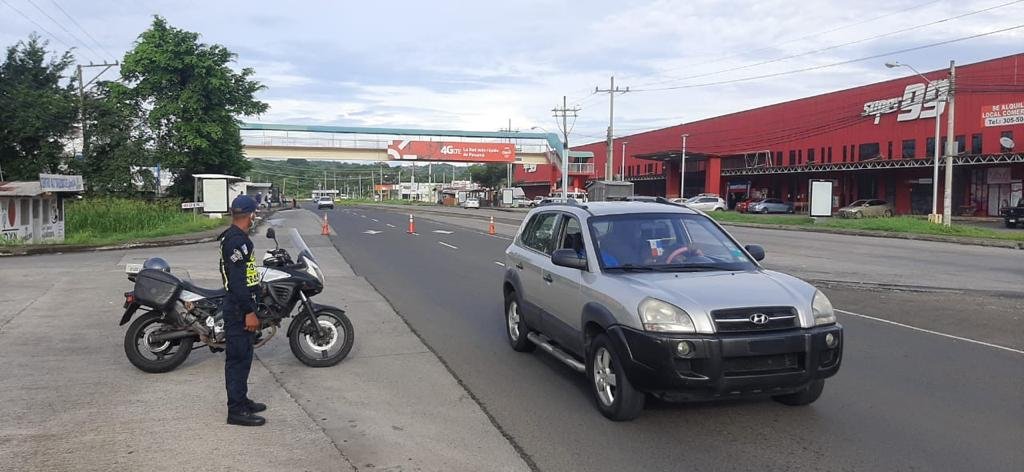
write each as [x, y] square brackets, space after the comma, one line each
[243, 204]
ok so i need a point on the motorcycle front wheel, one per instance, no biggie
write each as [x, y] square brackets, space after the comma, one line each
[325, 350]
[155, 358]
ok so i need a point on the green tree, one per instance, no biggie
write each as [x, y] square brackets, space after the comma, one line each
[117, 140]
[191, 99]
[37, 112]
[488, 175]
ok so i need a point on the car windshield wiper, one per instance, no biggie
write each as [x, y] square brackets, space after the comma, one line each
[691, 267]
[631, 268]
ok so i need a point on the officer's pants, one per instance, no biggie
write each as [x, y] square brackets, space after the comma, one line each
[236, 370]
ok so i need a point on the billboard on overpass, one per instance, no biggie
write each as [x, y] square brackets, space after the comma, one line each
[451, 151]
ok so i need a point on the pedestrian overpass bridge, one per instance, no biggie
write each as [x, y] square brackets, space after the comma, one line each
[341, 143]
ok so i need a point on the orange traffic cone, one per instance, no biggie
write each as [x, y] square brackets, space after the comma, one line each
[325, 230]
[490, 229]
[412, 224]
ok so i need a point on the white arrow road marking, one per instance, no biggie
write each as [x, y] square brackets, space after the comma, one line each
[441, 231]
[375, 220]
[500, 263]
[446, 244]
[370, 231]
[390, 225]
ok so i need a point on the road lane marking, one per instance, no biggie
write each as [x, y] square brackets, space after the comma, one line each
[375, 220]
[441, 231]
[446, 244]
[494, 236]
[370, 231]
[390, 225]
[500, 263]
[915, 328]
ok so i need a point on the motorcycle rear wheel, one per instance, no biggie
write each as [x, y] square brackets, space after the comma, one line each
[149, 357]
[326, 351]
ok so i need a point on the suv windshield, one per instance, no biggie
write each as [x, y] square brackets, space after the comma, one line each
[671, 242]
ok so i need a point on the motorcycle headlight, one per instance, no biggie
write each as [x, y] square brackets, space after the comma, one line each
[313, 269]
[821, 307]
[664, 317]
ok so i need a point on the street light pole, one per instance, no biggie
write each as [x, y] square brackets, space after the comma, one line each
[622, 165]
[935, 158]
[682, 169]
[951, 149]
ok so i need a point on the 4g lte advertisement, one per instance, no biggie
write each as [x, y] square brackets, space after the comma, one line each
[451, 151]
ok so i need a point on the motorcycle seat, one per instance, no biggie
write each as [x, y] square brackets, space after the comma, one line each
[204, 292]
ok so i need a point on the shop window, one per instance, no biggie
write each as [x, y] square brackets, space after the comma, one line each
[909, 151]
[46, 211]
[942, 147]
[1005, 134]
[830, 154]
[844, 153]
[929, 147]
[792, 158]
[976, 143]
[799, 156]
[25, 205]
[810, 156]
[868, 151]
[961, 144]
[778, 158]
[889, 154]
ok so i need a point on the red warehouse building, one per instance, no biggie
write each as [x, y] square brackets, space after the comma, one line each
[874, 141]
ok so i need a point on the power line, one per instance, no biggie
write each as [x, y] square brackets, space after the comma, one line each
[776, 46]
[48, 33]
[75, 22]
[834, 64]
[61, 26]
[837, 46]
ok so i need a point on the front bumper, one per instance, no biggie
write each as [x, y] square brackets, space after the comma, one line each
[728, 365]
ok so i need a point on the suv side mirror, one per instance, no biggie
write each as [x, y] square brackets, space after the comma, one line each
[568, 258]
[270, 233]
[756, 251]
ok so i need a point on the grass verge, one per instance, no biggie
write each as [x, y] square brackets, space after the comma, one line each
[896, 224]
[97, 221]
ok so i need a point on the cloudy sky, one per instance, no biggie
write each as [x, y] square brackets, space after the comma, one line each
[476, 64]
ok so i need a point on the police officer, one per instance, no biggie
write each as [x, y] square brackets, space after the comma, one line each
[238, 270]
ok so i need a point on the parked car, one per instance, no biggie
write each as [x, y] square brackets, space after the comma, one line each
[770, 205]
[743, 205]
[471, 203]
[535, 201]
[633, 295]
[707, 203]
[324, 202]
[1014, 216]
[520, 202]
[866, 208]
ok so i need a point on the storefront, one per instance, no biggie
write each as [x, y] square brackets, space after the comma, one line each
[33, 212]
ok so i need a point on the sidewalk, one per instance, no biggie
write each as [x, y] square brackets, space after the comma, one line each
[71, 401]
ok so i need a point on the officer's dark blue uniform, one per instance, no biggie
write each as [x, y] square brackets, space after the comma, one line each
[238, 270]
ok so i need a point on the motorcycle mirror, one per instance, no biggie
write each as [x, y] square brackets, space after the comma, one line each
[271, 234]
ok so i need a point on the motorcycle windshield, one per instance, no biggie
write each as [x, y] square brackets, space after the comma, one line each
[301, 249]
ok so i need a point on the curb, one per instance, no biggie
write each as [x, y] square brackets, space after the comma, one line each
[165, 241]
[885, 234]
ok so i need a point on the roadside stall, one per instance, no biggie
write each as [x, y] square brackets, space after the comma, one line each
[33, 212]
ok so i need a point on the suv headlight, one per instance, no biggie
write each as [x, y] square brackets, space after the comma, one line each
[664, 317]
[821, 307]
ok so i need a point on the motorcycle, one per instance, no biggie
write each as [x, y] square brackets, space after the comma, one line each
[176, 314]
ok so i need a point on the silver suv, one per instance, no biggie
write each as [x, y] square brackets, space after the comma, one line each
[656, 298]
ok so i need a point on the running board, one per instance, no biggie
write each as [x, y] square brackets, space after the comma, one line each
[545, 344]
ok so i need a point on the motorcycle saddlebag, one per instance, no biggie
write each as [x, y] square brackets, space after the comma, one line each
[156, 288]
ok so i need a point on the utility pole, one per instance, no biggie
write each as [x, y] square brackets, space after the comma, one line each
[81, 99]
[564, 113]
[359, 189]
[508, 167]
[951, 149]
[682, 169]
[611, 91]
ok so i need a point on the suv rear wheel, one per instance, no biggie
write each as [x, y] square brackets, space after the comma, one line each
[615, 396]
[515, 325]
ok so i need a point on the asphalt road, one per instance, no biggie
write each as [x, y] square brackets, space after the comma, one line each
[905, 399]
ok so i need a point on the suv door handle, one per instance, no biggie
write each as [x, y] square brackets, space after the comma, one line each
[519, 265]
[547, 278]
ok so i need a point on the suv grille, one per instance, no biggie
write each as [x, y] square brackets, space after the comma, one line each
[738, 320]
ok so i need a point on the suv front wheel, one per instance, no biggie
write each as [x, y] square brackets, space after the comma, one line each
[515, 325]
[615, 396]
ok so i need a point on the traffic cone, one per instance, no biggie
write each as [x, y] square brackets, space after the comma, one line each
[412, 224]
[325, 230]
[490, 229]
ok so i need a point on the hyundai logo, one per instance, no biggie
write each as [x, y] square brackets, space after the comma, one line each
[759, 318]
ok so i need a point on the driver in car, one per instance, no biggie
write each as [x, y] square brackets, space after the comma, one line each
[625, 245]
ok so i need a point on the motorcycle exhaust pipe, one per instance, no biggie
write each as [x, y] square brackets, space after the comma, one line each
[157, 338]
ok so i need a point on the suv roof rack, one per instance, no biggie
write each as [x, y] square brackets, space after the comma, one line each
[643, 198]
